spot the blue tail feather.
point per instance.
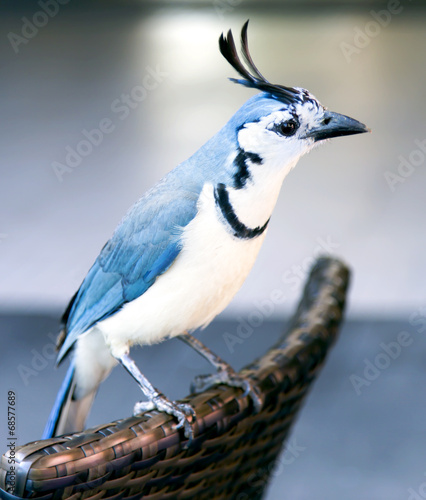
(61, 399)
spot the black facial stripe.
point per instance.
(241, 231)
(254, 158)
(242, 173)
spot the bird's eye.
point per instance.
(287, 128)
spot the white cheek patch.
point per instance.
(254, 138)
(257, 137)
(276, 151)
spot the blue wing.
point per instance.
(143, 246)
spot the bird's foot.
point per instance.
(180, 411)
(229, 377)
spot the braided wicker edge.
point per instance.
(83, 462)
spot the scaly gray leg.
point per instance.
(157, 400)
(225, 373)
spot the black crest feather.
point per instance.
(252, 77)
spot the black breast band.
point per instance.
(241, 231)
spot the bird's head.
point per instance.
(279, 125)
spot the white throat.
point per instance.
(255, 202)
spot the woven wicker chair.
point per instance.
(147, 457)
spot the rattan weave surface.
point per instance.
(233, 450)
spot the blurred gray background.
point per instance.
(360, 197)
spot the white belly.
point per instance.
(205, 276)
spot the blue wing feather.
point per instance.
(143, 246)
(147, 241)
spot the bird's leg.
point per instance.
(225, 373)
(157, 400)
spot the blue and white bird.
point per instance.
(185, 248)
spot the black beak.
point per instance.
(335, 125)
